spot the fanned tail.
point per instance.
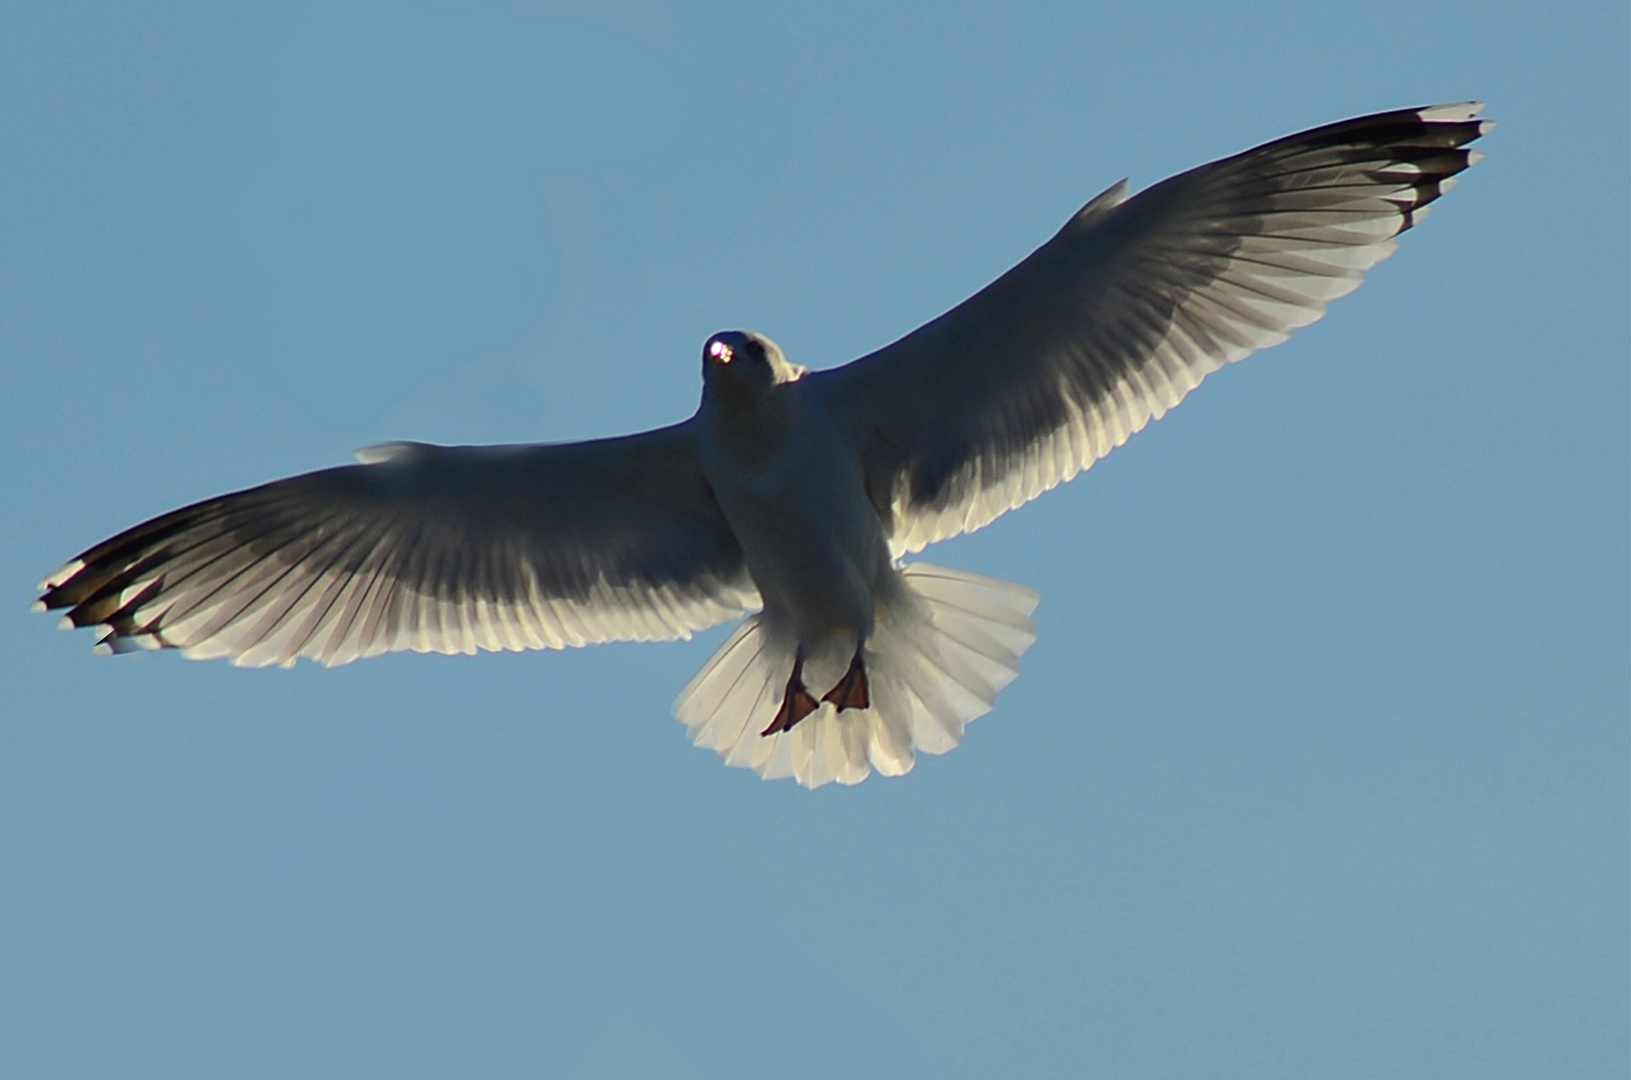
(940, 651)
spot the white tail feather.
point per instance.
(940, 651)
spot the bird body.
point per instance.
(874, 666)
(791, 499)
(791, 487)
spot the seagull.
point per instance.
(791, 498)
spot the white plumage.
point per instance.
(791, 497)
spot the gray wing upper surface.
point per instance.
(433, 549)
(1124, 311)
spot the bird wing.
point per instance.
(434, 549)
(1110, 323)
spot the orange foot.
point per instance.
(797, 702)
(851, 691)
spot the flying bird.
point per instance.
(791, 498)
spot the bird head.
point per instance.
(741, 367)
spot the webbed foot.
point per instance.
(852, 691)
(797, 702)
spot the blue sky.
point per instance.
(1319, 766)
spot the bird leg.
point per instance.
(797, 702)
(852, 691)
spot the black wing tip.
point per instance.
(1431, 129)
(1461, 112)
(1425, 128)
(1460, 123)
(60, 576)
(1430, 141)
(93, 596)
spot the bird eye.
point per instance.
(720, 351)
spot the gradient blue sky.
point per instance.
(1319, 767)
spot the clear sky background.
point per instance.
(1319, 767)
